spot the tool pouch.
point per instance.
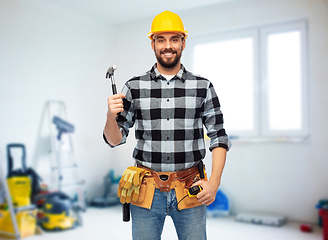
(181, 181)
(130, 184)
(146, 193)
(182, 186)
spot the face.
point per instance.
(168, 49)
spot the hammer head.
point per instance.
(110, 71)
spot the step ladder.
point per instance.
(14, 213)
(64, 166)
(4, 187)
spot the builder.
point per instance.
(168, 107)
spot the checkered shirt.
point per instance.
(169, 118)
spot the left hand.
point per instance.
(208, 194)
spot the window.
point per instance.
(260, 76)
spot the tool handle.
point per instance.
(114, 88)
(201, 169)
(10, 158)
(126, 212)
(125, 206)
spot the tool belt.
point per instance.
(181, 181)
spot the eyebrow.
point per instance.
(173, 37)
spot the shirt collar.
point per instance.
(155, 74)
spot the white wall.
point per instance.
(49, 53)
(276, 178)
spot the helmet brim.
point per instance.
(152, 34)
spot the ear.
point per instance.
(183, 44)
(153, 45)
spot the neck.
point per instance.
(169, 71)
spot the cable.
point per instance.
(182, 199)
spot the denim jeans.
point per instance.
(147, 224)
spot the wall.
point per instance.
(272, 178)
(48, 53)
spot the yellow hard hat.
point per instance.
(167, 22)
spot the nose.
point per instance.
(167, 44)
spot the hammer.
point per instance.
(110, 74)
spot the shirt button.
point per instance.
(168, 119)
(168, 100)
(168, 83)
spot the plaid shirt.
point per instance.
(169, 118)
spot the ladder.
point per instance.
(64, 165)
(4, 186)
(14, 213)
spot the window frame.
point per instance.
(259, 34)
(283, 28)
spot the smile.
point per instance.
(168, 54)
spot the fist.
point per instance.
(115, 104)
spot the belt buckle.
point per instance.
(164, 184)
(164, 177)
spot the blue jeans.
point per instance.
(147, 224)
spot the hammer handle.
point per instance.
(114, 88)
(201, 169)
(126, 212)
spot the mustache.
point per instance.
(169, 50)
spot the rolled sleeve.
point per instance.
(125, 119)
(213, 121)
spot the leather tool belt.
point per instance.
(181, 181)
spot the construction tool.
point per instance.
(62, 126)
(59, 212)
(16, 233)
(200, 167)
(24, 183)
(192, 192)
(110, 74)
(62, 151)
(17, 214)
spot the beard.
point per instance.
(169, 63)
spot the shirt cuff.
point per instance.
(122, 141)
(223, 142)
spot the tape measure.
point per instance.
(194, 191)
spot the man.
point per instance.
(169, 106)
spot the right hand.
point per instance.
(115, 104)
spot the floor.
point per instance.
(106, 223)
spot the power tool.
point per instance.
(58, 212)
